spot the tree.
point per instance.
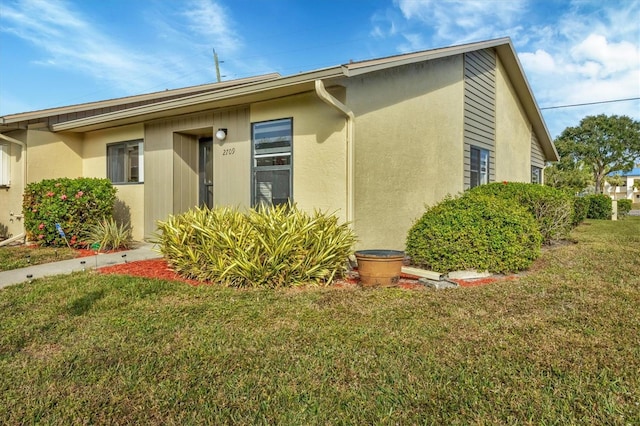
(566, 175)
(615, 181)
(603, 144)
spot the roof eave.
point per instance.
(364, 67)
(44, 113)
(187, 104)
(512, 65)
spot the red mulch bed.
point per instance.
(152, 268)
(158, 268)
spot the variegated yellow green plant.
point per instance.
(273, 247)
(110, 235)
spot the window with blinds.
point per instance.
(125, 162)
(272, 162)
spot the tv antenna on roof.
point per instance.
(215, 59)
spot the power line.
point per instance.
(591, 103)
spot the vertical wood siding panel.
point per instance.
(537, 156)
(479, 108)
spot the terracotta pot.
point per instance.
(378, 268)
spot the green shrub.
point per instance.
(551, 207)
(475, 231)
(600, 207)
(624, 207)
(109, 235)
(276, 247)
(580, 210)
(75, 204)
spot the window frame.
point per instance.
(275, 153)
(482, 152)
(127, 166)
(535, 170)
(5, 165)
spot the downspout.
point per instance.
(327, 98)
(24, 182)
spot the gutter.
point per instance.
(327, 98)
(24, 177)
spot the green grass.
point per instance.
(21, 256)
(560, 345)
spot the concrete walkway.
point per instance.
(143, 251)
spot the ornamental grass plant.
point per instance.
(271, 247)
(110, 235)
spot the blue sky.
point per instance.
(56, 53)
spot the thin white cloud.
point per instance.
(211, 22)
(463, 20)
(70, 40)
(577, 52)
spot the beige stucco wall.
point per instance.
(513, 133)
(50, 155)
(11, 197)
(232, 159)
(171, 178)
(319, 150)
(53, 155)
(130, 197)
(408, 149)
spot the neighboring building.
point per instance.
(630, 189)
(373, 141)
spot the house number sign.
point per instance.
(228, 151)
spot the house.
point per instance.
(630, 188)
(373, 141)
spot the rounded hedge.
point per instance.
(74, 204)
(624, 207)
(475, 231)
(580, 210)
(551, 207)
(600, 207)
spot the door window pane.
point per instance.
(205, 172)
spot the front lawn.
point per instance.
(560, 345)
(22, 256)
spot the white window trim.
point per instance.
(483, 176)
(5, 165)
